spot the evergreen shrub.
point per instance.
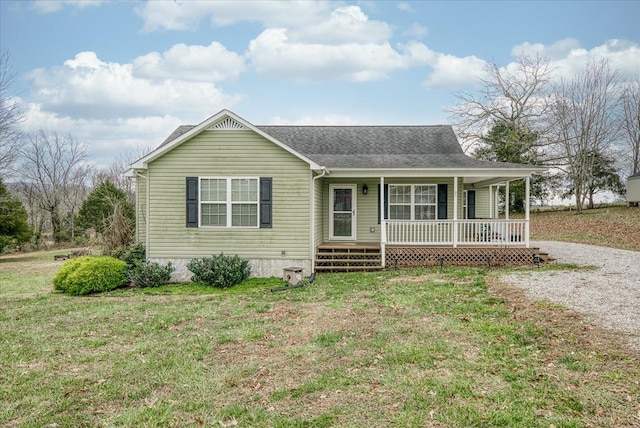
(90, 274)
(219, 271)
(149, 274)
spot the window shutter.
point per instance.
(471, 204)
(192, 201)
(386, 202)
(266, 202)
(442, 201)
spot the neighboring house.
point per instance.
(310, 196)
(633, 190)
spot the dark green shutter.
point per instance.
(192, 201)
(386, 202)
(442, 201)
(471, 204)
(266, 202)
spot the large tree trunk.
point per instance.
(56, 226)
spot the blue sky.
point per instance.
(120, 76)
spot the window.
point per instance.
(412, 202)
(229, 202)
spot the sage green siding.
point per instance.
(141, 209)
(482, 202)
(223, 153)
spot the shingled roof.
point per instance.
(373, 147)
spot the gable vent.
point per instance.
(228, 124)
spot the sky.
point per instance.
(119, 76)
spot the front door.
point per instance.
(342, 215)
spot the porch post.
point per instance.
(491, 201)
(455, 211)
(383, 226)
(506, 201)
(527, 185)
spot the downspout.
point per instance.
(527, 210)
(312, 229)
(383, 226)
(146, 221)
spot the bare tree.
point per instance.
(630, 121)
(584, 114)
(10, 117)
(115, 171)
(515, 97)
(53, 164)
(75, 192)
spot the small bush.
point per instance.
(133, 254)
(150, 274)
(90, 274)
(219, 270)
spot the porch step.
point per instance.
(347, 268)
(345, 257)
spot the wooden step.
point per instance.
(350, 261)
(347, 268)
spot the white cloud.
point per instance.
(104, 105)
(273, 54)
(567, 57)
(90, 87)
(211, 63)
(50, 6)
(416, 30)
(450, 71)
(104, 139)
(345, 25)
(186, 15)
(405, 7)
(557, 50)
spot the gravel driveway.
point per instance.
(609, 295)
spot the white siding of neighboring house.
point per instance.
(633, 189)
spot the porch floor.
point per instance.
(367, 256)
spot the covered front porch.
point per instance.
(457, 221)
(488, 232)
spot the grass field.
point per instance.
(617, 227)
(423, 348)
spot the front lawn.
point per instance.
(409, 348)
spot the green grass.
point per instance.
(410, 348)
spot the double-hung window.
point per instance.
(229, 202)
(412, 201)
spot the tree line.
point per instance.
(55, 194)
(585, 128)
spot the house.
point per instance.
(633, 190)
(324, 198)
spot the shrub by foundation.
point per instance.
(149, 274)
(219, 271)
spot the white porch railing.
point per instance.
(456, 232)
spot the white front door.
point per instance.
(342, 212)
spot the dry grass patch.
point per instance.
(616, 227)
